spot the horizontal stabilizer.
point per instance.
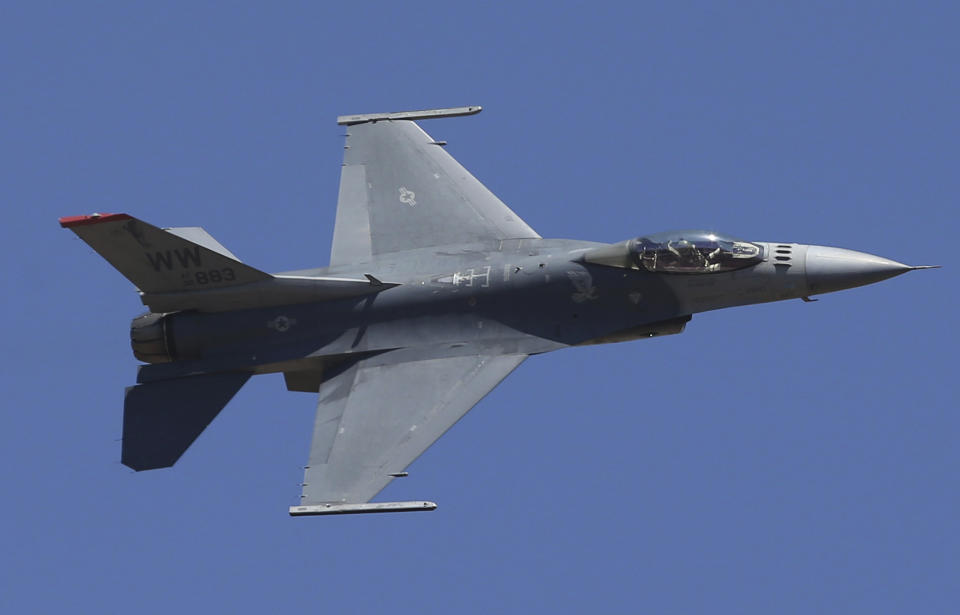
(162, 419)
(162, 261)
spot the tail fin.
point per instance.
(162, 261)
(162, 419)
(187, 269)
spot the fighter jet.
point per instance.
(435, 292)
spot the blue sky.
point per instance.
(788, 458)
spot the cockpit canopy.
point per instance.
(692, 252)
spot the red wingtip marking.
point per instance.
(71, 221)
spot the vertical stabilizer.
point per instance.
(160, 261)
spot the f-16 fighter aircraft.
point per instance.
(435, 292)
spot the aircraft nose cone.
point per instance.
(832, 269)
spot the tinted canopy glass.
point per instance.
(693, 252)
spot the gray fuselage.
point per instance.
(511, 296)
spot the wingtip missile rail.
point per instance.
(370, 507)
(427, 114)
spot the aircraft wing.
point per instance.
(399, 190)
(374, 419)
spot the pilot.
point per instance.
(688, 256)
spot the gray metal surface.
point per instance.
(159, 261)
(408, 115)
(275, 290)
(375, 507)
(200, 236)
(399, 190)
(162, 419)
(435, 292)
(373, 420)
(831, 269)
